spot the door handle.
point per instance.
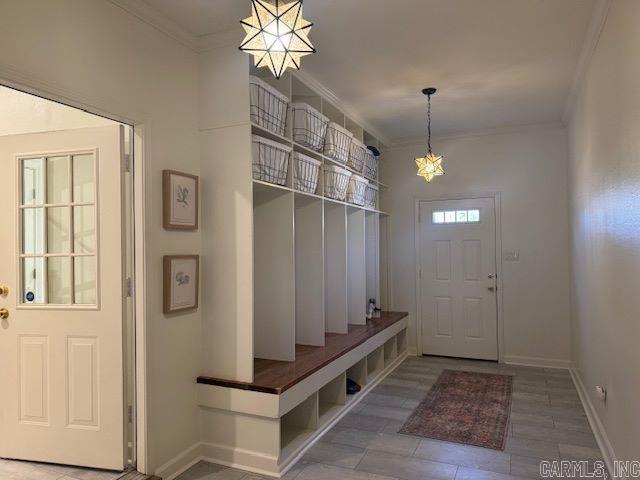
(4, 290)
(4, 313)
(492, 289)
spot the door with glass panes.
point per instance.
(458, 278)
(61, 263)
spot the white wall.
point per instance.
(23, 113)
(528, 168)
(604, 174)
(94, 53)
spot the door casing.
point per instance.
(416, 261)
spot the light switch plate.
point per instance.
(511, 255)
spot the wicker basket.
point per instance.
(370, 165)
(357, 155)
(336, 182)
(356, 189)
(270, 160)
(337, 142)
(371, 196)
(309, 126)
(305, 172)
(268, 107)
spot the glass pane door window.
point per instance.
(58, 232)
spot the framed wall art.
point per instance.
(180, 192)
(181, 283)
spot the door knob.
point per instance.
(4, 290)
(4, 313)
(491, 276)
(491, 289)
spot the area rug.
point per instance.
(464, 407)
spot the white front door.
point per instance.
(458, 278)
(61, 258)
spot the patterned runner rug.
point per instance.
(464, 407)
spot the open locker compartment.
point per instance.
(331, 399)
(309, 271)
(274, 302)
(335, 268)
(356, 266)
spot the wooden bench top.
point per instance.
(272, 376)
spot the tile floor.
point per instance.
(15, 470)
(547, 422)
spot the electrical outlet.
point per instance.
(511, 255)
(601, 392)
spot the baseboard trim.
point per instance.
(537, 362)
(608, 454)
(412, 351)
(180, 463)
(258, 463)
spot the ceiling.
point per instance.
(496, 63)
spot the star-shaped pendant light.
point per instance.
(277, 35)
(429, 166)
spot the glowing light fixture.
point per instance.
(429, 166)
(277, 35)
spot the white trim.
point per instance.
(220, 39)
(537, 362)
(496, 196)
(420, 140)
(33, 84)
(159, 21)
(139, 288)
(594, 32)
(181, 462)
(257, 462)
(608, 454)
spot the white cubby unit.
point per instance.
(288, 272)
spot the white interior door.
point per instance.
(61, 257)
(458, 278)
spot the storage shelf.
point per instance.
(320, 197)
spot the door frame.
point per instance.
(495, 196)
(139, 121)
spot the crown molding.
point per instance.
(592, 37)
(151, 16)
(346, 107)
(420, 140)
(220, 39)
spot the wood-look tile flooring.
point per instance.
(17, 470)
(547, 423)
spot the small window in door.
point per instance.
(456, 216)
(58, 239)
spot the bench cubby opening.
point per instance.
(375, 363)
(390, 351)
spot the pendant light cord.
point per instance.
(429, 123)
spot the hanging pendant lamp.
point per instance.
(429, 166)
(277, 35)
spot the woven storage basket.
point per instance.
(337, 142)
(309, 126)
(270, 160)
(357, 155)
(268, 106)
(371, 196)
(370, 165)
(336, 182)
(305, 172)
(356, 189)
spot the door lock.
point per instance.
(4, 290)
(4, 313)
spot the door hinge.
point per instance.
(126, 163)
(128, 287)
(130, 413)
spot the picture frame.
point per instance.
(181, 283)
(180, 200)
